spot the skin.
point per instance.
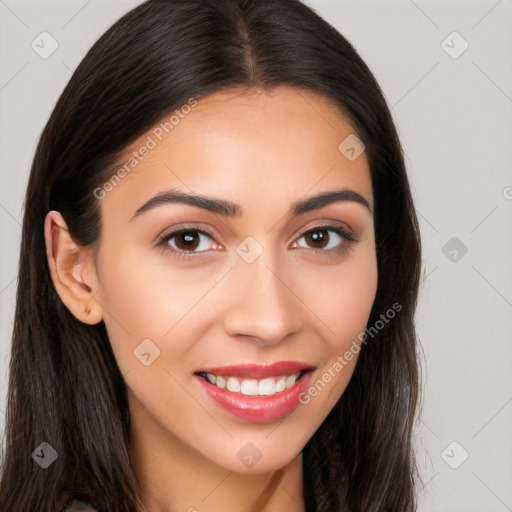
(264, 151)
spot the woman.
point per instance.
(219, 271)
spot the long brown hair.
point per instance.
(65, 387)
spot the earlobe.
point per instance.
(69, 263)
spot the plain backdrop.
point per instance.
(445, 69)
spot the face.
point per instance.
(229, 321)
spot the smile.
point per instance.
(255, 392)
(253, 387)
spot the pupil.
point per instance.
(318, 236)
(188, 239)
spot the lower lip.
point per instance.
(258, 409)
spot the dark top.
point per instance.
(77, 505)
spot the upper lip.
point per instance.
(258, 371)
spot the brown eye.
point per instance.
(319, 238)
(331, 241)
(187, 241)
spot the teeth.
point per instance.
(249, 387)
(290, 381)
(280, 385)
(253, 387)
(233, 384)
(267, 387)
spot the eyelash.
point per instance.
(346, 235)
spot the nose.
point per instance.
(262, 305)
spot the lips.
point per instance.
(259, 371)
(256, 392)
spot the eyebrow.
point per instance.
(230, 209)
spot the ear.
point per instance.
(72, 270)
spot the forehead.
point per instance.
(245, 144)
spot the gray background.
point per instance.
(454, 114)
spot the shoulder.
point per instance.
(77, 505)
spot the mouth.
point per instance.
(256, 392)
(268, 386)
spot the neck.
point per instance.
(176, 478)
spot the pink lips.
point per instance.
(258, 409)
(259, 371)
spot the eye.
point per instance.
(337, 243)
(186, 240)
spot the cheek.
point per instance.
(350, 310)
(344, 308)
(342, 297)
(144, 301)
